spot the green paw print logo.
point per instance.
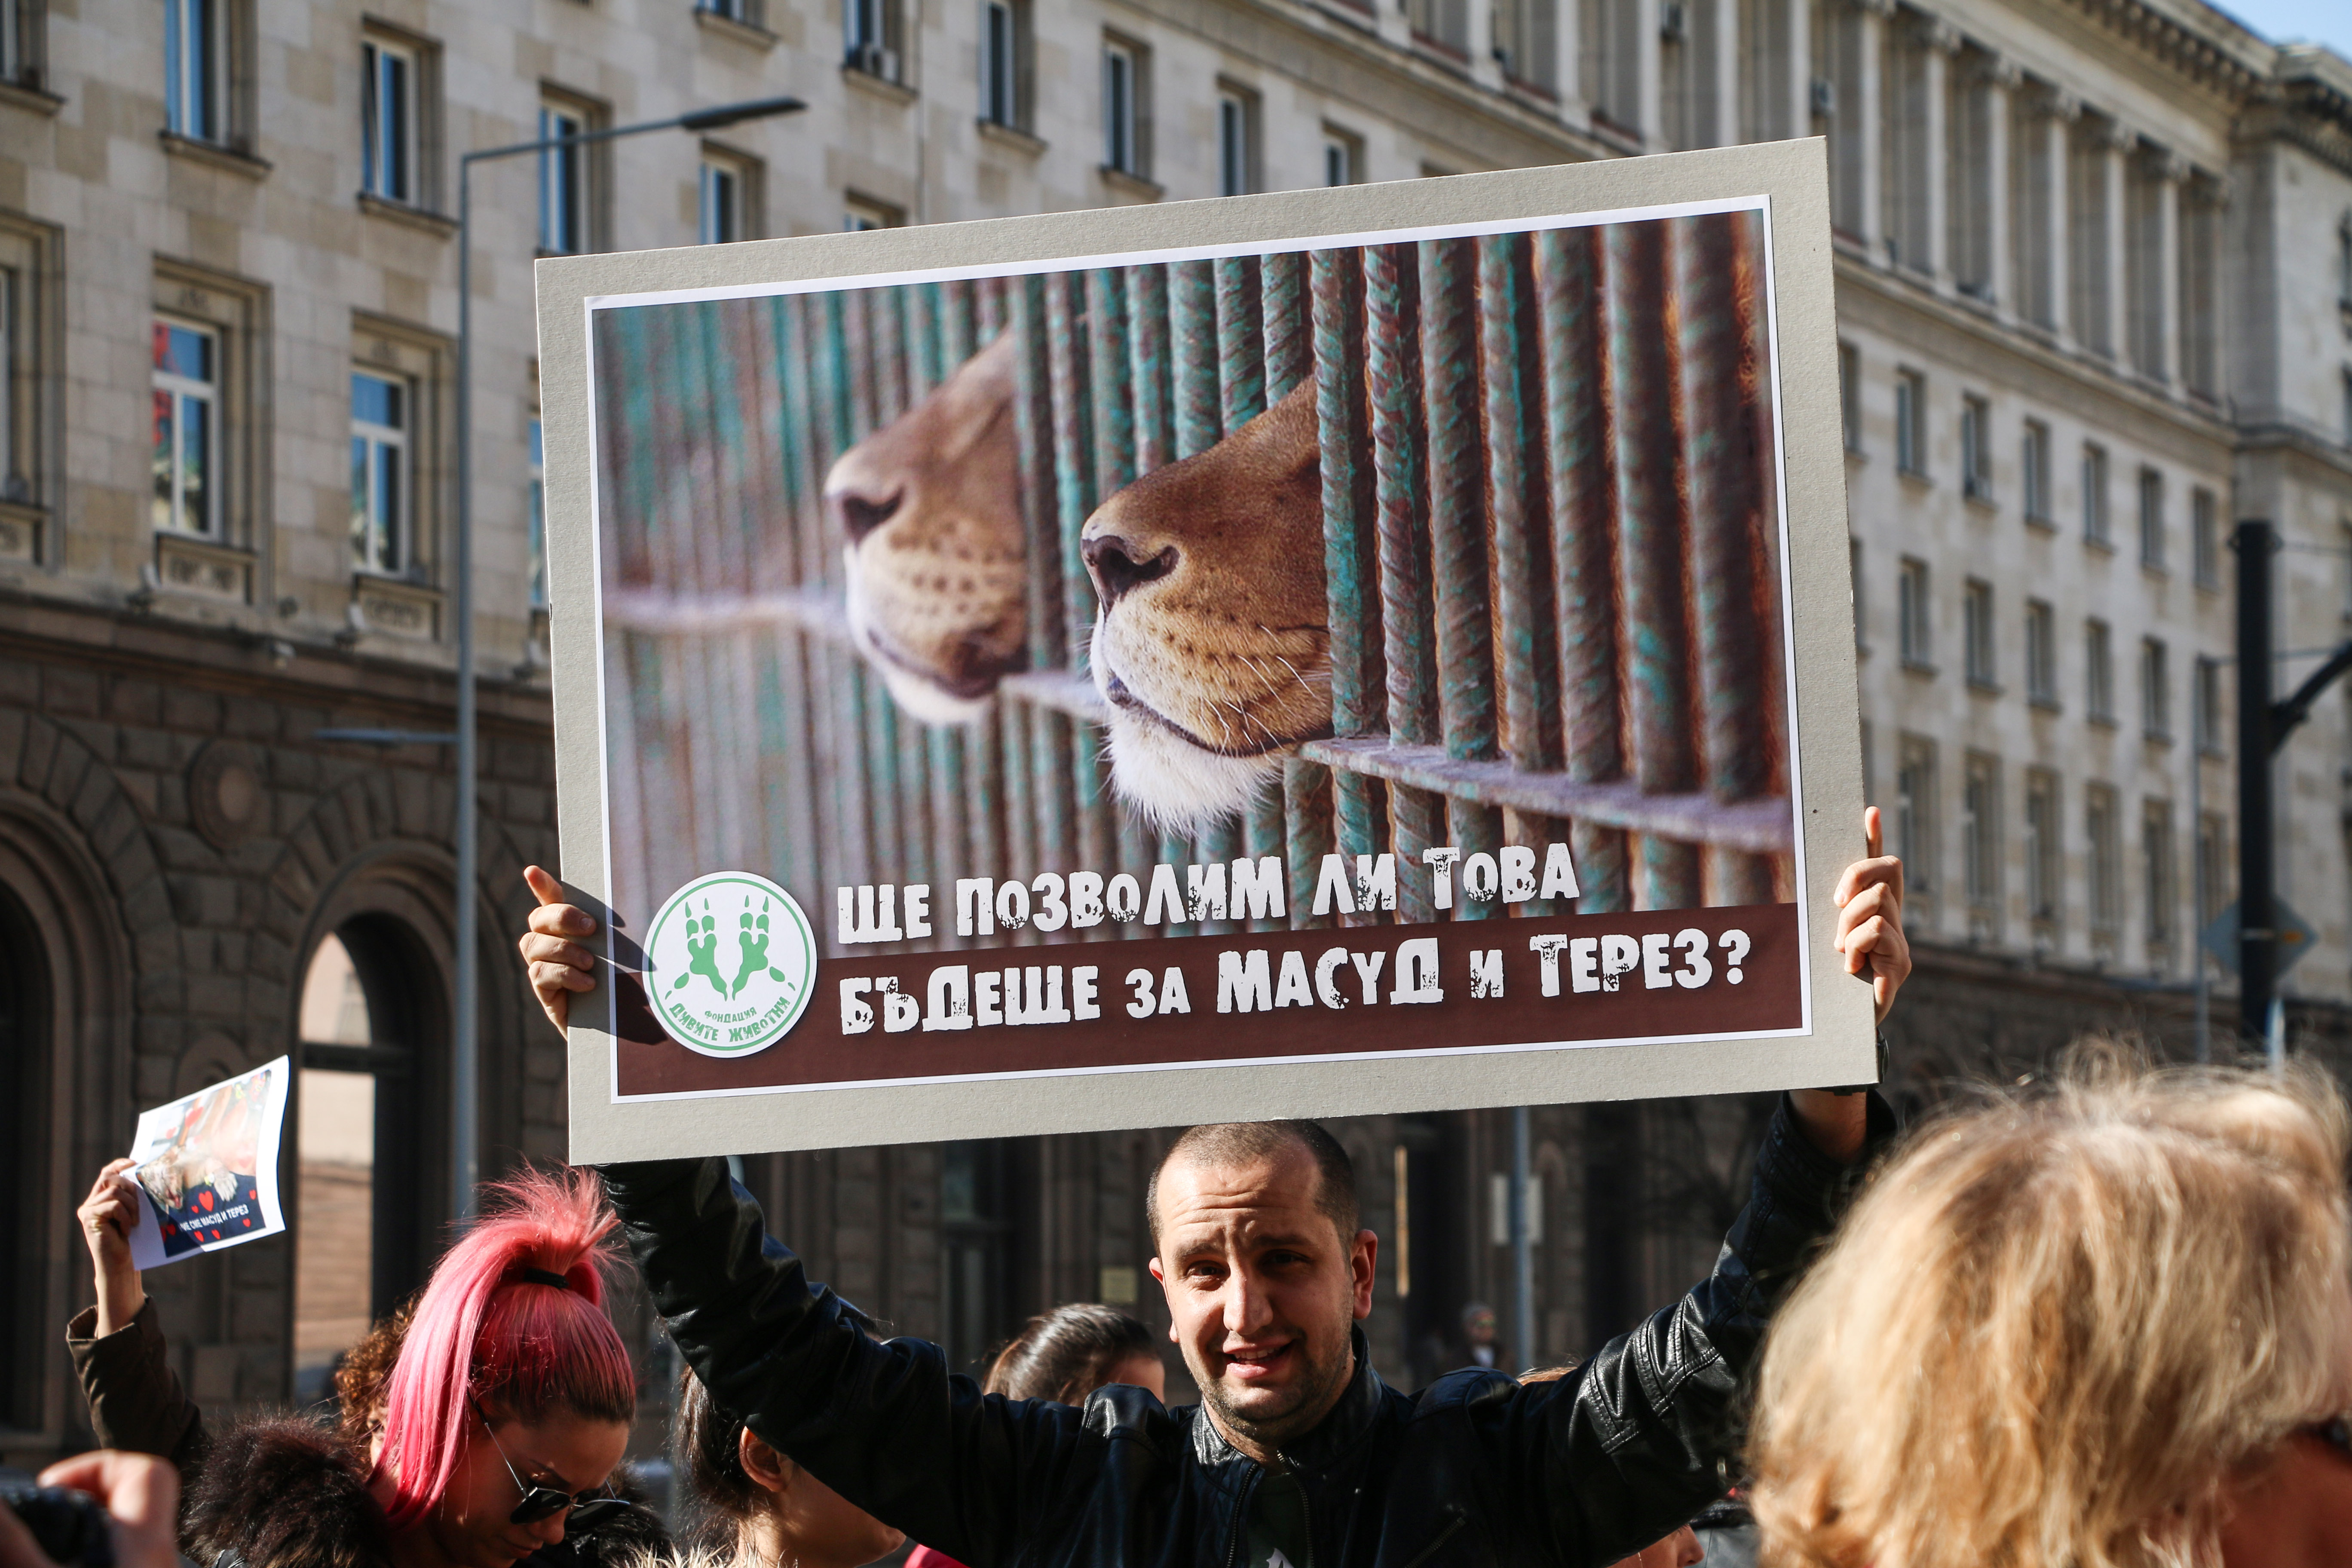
(733, 963)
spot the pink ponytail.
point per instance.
(484, 1330)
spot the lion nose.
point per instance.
(860, 515)
(1118, 567)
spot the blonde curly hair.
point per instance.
(2057, 1324)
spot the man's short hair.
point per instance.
(1240, 1142)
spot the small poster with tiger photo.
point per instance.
(208, 1167)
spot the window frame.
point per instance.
(1911, 424)
(863, 214)
(1349, 148)
(1914, 812)
(1978, 627)
(2033, 472)
(2098, 670)
(1980, 833)
(372, 441)
(567, 173)
(2156, 689)
(375, 53)
(1976, 449)
(1005, 65)
(1124, 119)
(720, 167)
(535, 470)
(2044, 826)
(1237, 140)
(2103, 861)
(2159, 874)
(2150, 492)
(1915, 611)
(211, 392)
(870, 39)
(2041, 654)
(2205, 706)
(2097, 522)
(2205, 538)
(201, 71)
(1850, 396)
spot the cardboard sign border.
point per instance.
(1792, 177)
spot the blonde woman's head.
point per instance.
(2058, 1329)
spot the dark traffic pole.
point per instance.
(2255, 543)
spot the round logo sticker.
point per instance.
(733, 963)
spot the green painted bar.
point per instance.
(1192, 342)
(1391, 375)
(1306, 811)
(1289, 322)
(1350, 566)
(1152, 367)
(1074, 480)
(1034, 423)
(1457, 482)
(1241, 342)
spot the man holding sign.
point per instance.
(1299, 1455)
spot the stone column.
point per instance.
(1867, 133)
(1646, 45)
(1568, 60)
(1478, 38)
(1997, 81)
(1942, 41)
(2055, 130)
(2114, 146)
(1723, 115)
(1794, 78)
(2172, 171)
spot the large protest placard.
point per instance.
(1342, 652)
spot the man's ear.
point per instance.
(1362, 1264)
(1161, 1273)
(769, 1471)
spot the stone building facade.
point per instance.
(2094, 261)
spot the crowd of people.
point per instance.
(2099, 1321)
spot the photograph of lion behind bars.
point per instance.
(1458, 540)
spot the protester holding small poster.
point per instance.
(208, 1165)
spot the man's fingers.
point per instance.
(562, 919)
(543, 885)
(546, 977)
(1872, 835)
(539, 948)
(1884, 870)
(141, 1492)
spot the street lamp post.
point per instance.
(465, 1107)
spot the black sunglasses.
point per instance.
(589, 1509)
(2336, 1432)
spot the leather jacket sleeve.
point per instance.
(136, 1403)
(880, 1422)
(1647, 1433)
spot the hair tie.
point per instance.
(545, 1276)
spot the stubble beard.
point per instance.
(1310, 1400)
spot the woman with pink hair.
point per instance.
(506, 1410)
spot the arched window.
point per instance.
(26, 1028)
(364, 1001)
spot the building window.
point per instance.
(1236, 141)
(870, 36)
(1343, 157)
(381, 418)
(1124, 82)
(1850, 395)
(2102, 840)
(2155, 690)
(1977, 615)
(2157, 871)
(2094, 495)
(723, 199)
(2041, 653)
(2044, 848)
(2033, 470)
(976, 1244)
(191, 69)
(2151, 519)
(187, 438)
(1915, 811)
(1975, 448)
(1911, 423)
(360, 1141)
(538, 493)
(2205, 538)
(2212, 869)
(861, 214)
(16, 484)
(2347, 434)
(733, 10)
(2205, 717)
(1912, 607)
(1980, 841)
(562, 182)
(388, 120)
(2344, 261)
(16, 48)
(2098, 672)
(1004, 63)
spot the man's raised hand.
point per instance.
(1869, 917)
(551, 951)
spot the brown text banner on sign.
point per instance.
(1579, 979)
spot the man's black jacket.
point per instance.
(1477, 1470)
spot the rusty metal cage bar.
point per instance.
(1548, 570)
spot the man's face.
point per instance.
(1481, 1328)
(1262, 1291)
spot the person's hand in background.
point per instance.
(139, 1493)
(108, 1216)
